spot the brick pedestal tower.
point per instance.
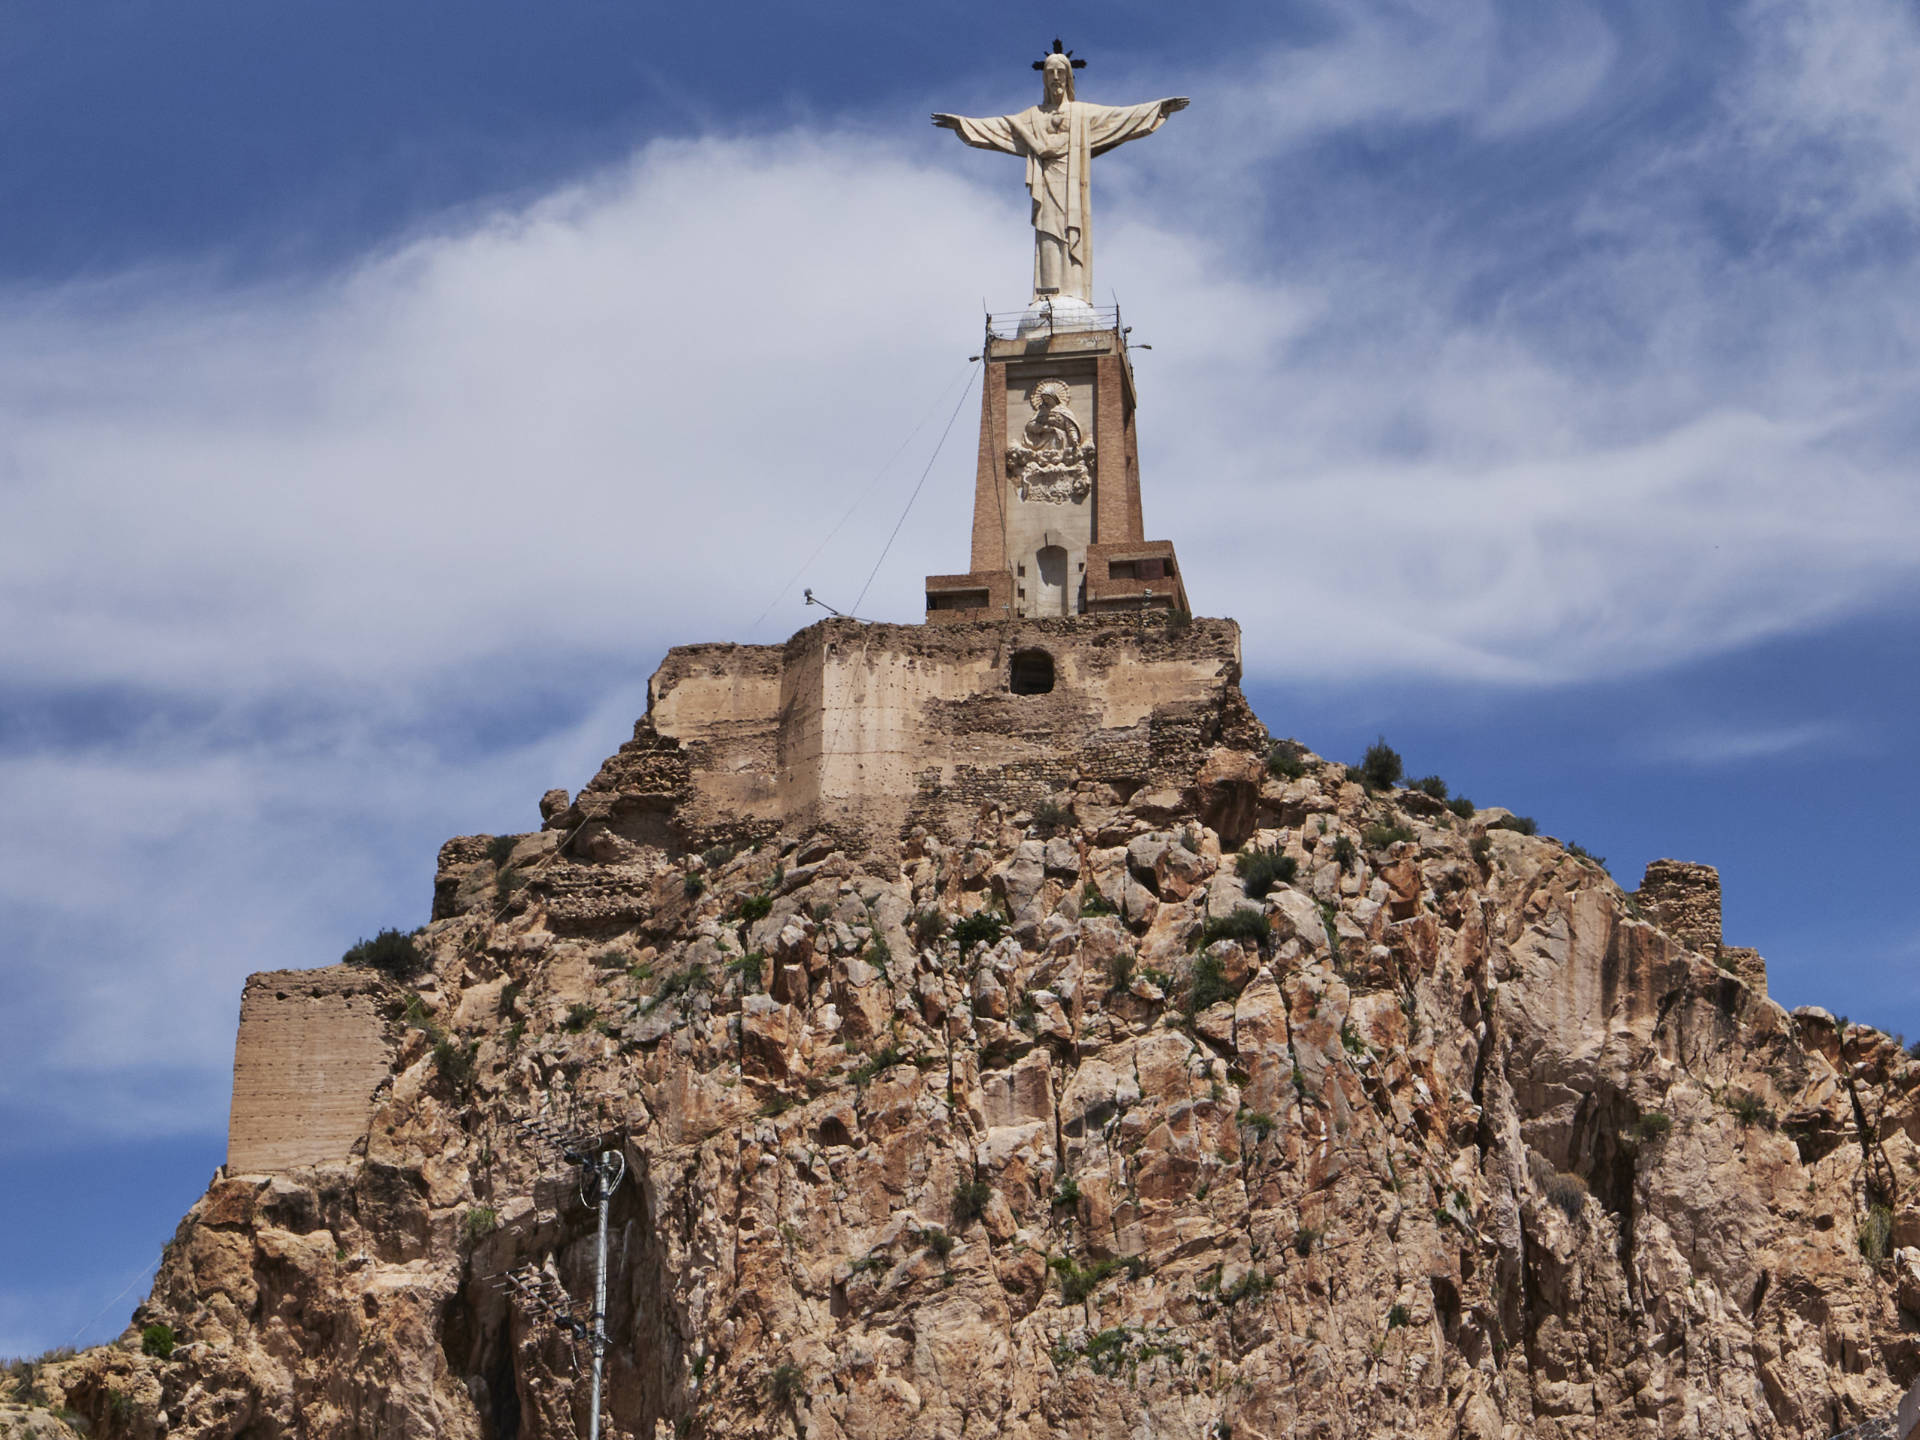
(1056, 505)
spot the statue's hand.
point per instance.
(1178, 102)
(947, 122)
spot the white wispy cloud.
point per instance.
(1736, 745)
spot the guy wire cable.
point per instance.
(859, 500)
(940, 445)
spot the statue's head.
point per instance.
(1057, 75)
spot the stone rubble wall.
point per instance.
(1683, 898)
(854, 727)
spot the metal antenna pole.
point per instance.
(606, 1172)
(600, 1175)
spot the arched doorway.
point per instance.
(1050, 596)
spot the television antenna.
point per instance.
(813, 599)
(602, 1166)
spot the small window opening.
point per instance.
(1032, 673)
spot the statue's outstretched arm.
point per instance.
(1109, 126)
(995, 133)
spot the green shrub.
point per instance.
(157, 1340)
(1106, 1351)
(1379, 835)
(416, 1015)
(510, 996)
(681, 982)
(1261, 870)
(1250, 1286)
(751, 968)
(878, 1063)
(1120, 970)
(500, 850)
(717, 855)
(1287, 759)
(1051, 814)
(1257, 1121)
(1398, 1316)
(1429, 785)
(696, 886)
(1067, 1192)
(506, 884)
(1750, 1109)
(1876, 1233)
(1652, 1126)
(879, 955)
(1077, 1283)
(390, 952)
(928, 926)
(457, 1063)
(983, 927)
(1520, 824)
(1481, 849)
(1580, 852)
(786, 1384)
(1380, 767)
(1207, 983)
(1330, 924)
(481, 1221)
(1344, 852)
(970, 1201)
(1092, 902)
(940, 1242)
(580, 1016)
(1462, 807)
(1304, 1239)
(756, 907)
(1240, 923)
(1568, 1194)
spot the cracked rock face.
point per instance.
(1029, 1131)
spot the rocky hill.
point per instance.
(1232, 1099)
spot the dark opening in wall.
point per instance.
(1032, 673)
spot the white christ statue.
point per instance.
(1059, 137)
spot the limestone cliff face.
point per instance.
(1461, 1146)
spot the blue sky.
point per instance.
(1535, 383)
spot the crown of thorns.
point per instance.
(1059, 49)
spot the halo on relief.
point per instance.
(1060, 392)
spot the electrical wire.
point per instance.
(941, 444)
(144, 1271)
(861, 498)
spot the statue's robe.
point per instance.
(1059, 146)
